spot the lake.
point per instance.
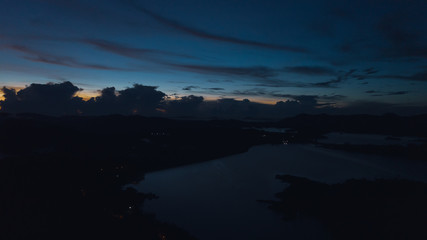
(217, 199)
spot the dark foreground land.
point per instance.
(63, 177)
(358, 209)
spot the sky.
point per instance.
(341, 52)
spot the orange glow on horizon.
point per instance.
(16, 89)
(87, 95)
(161, 110)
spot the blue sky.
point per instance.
(265, 51)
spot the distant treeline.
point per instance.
(388, 124)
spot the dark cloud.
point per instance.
(60, 99)
(307, 100)
(185, 106)
(370, 70)
(189, 88)
(139, 99)
(397, 93)
(310, 103)
(44, 57)
(231, 108)
(404, 39)
(254, 71)
(200, 90)
(56, 99)
(310, 70)
(133, 52)
(420, 76)
(328, 84)
(299, 98)
(371, 91)
(276, 94)
(263, 76)
(381, 93)
(343, 76)
(366, 74)
(206, 35)
(215, 89)
(303, 100)
(300, 104)
(277, 83)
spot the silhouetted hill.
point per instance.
(389, 124)
(358, 209)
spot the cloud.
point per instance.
(375, 93)
(371, 91)
(419, 76)
(370, 70)
(189, 88)
(300, 104)
(350, 74)
(299, 98)
(405, 41)
(278, 83)
(310, 100)
(215, 89)
(138, 99)
(328, 84)
(210, 36)
(50, 98)
(310, 70)
(232, 108)
(60, 99)
(133, 52)
(185, 106)
(340, 76)
(253, 71)
(264, 76)
(261, 76)
(43, 57)
(200, 90)
(397, 93)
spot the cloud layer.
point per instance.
(210, 36)
(60, 99)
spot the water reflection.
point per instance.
(218, 198)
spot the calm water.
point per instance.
(217, 199)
